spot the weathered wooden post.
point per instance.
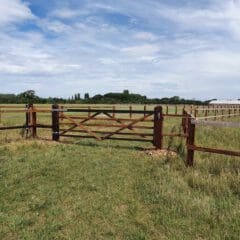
(61, 114)
(184, 120)
(89, 111)
(206, 114)
(158, 127)
(27, 119)
(190, 142)
(34, 121)
(31, 120)
(195, 113)
(130, 111)
(113, 111)
(55, 122)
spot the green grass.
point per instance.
(88, 189)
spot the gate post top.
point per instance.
(158, 112)
(29, 105)
(54, 105)
(158, 108)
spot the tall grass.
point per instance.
(88, 189)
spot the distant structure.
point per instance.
(225, 102)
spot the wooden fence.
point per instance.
(123, 124)
(190, 123)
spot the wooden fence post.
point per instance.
(195, 113)
(27, 119)
(184, 120)
(113, 111)
(158, 128)
(61, 114)
(130, 111)
(190, 142)
(145, 109)
(31, 120)
(55, 122)
(89, 113)
(34, 121)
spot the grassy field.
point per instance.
(86, 189)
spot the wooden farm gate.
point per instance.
(102, 124)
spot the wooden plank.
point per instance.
(126, 126)
(212, 150)
(14, 127)
(174, 135)
(123, 123)
(107, 119)
(75, 126)
(216, 123)
(109, 111)
(109, 125)
(110, 138)
(80, 125)
(107, 132)
(43, 126)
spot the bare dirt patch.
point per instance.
(160, 153)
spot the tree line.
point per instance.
(125, 97)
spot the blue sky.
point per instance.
(158, 48)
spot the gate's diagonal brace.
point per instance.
(80, 125)
(130, 128)
(127, 126)
(83, 121)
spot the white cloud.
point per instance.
(67, 13)
(187, 55)
(144, 50)
(54, 26)
(223, 15)
(13, 11)
(147, 36)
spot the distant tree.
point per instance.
(28, 96)
(86, 96)
(126, 92)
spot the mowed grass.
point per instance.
(86, 189)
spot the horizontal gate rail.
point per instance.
(107, 132)
(109, 111)
(107, 119)
(108, 125)
(110, 138)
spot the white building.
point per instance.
(225, 102)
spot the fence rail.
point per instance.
(115, 121)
